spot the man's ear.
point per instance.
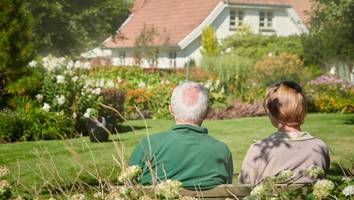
(170, 109)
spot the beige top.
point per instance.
(293, 151)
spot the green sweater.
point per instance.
(185, 153)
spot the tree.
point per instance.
(331, 39)
(16, 47)
(209, 42)
(149, 44)
(69, 27)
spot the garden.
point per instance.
(69, 124)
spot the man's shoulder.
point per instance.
(218, 144)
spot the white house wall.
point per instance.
(285, 23)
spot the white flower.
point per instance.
(314, 172)
(3, 171)
(75, 78)
(77, 65)
(70, 65)
(96, 91)
(217, 83)
(60, 99)
(258, 192)
(169, 189)
(348, 191)
(285, 176)
(60, 79)
(46, 107)
(208, 84)
(88, 113)
(322, 188)
(52, 198)
(110, 84)
(32, 64)
(129, 173)
(74, 115)
(142, 84)
(69, 72)
(78, 197)
(87, 65)
(100, 83)
(4, 185)
(39, 97)
(98, 195)
(61, 113)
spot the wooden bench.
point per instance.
(230, 191)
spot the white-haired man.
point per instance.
(185, 152)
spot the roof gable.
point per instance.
(175, 19)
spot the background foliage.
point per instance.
(70, 27)
(16, 46)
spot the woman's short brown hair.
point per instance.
(286, 103)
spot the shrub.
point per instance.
(234, 72)
(30, 124)
(330, 94)
(11, 127)
(273, 69)
(256, 46)
(209, 42)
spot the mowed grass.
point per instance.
(34, 162)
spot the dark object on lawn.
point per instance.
(96, 131)
(113, 98)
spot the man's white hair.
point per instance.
(189, 102)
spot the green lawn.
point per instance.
(70, 156)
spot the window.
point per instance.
(236, 19)
(122, 57)
(265, 20)
(172, 56)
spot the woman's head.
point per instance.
(285, 103)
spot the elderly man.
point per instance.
(185, 152)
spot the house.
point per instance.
(178, 25)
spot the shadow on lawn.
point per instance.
(349, 121)
(124, 129)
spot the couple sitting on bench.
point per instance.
(188, 154)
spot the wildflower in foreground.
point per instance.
(129, 173)
(98, 195)
(258, 192)
(285, 176)
(348, 191)
(4, 186)
(3, 171)
(168, 189)
(119, 193)
(314, 172)
(78, 197)
(322, 188)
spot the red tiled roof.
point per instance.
(175, 19)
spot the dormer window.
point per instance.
(266, 20)
(236, 19)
